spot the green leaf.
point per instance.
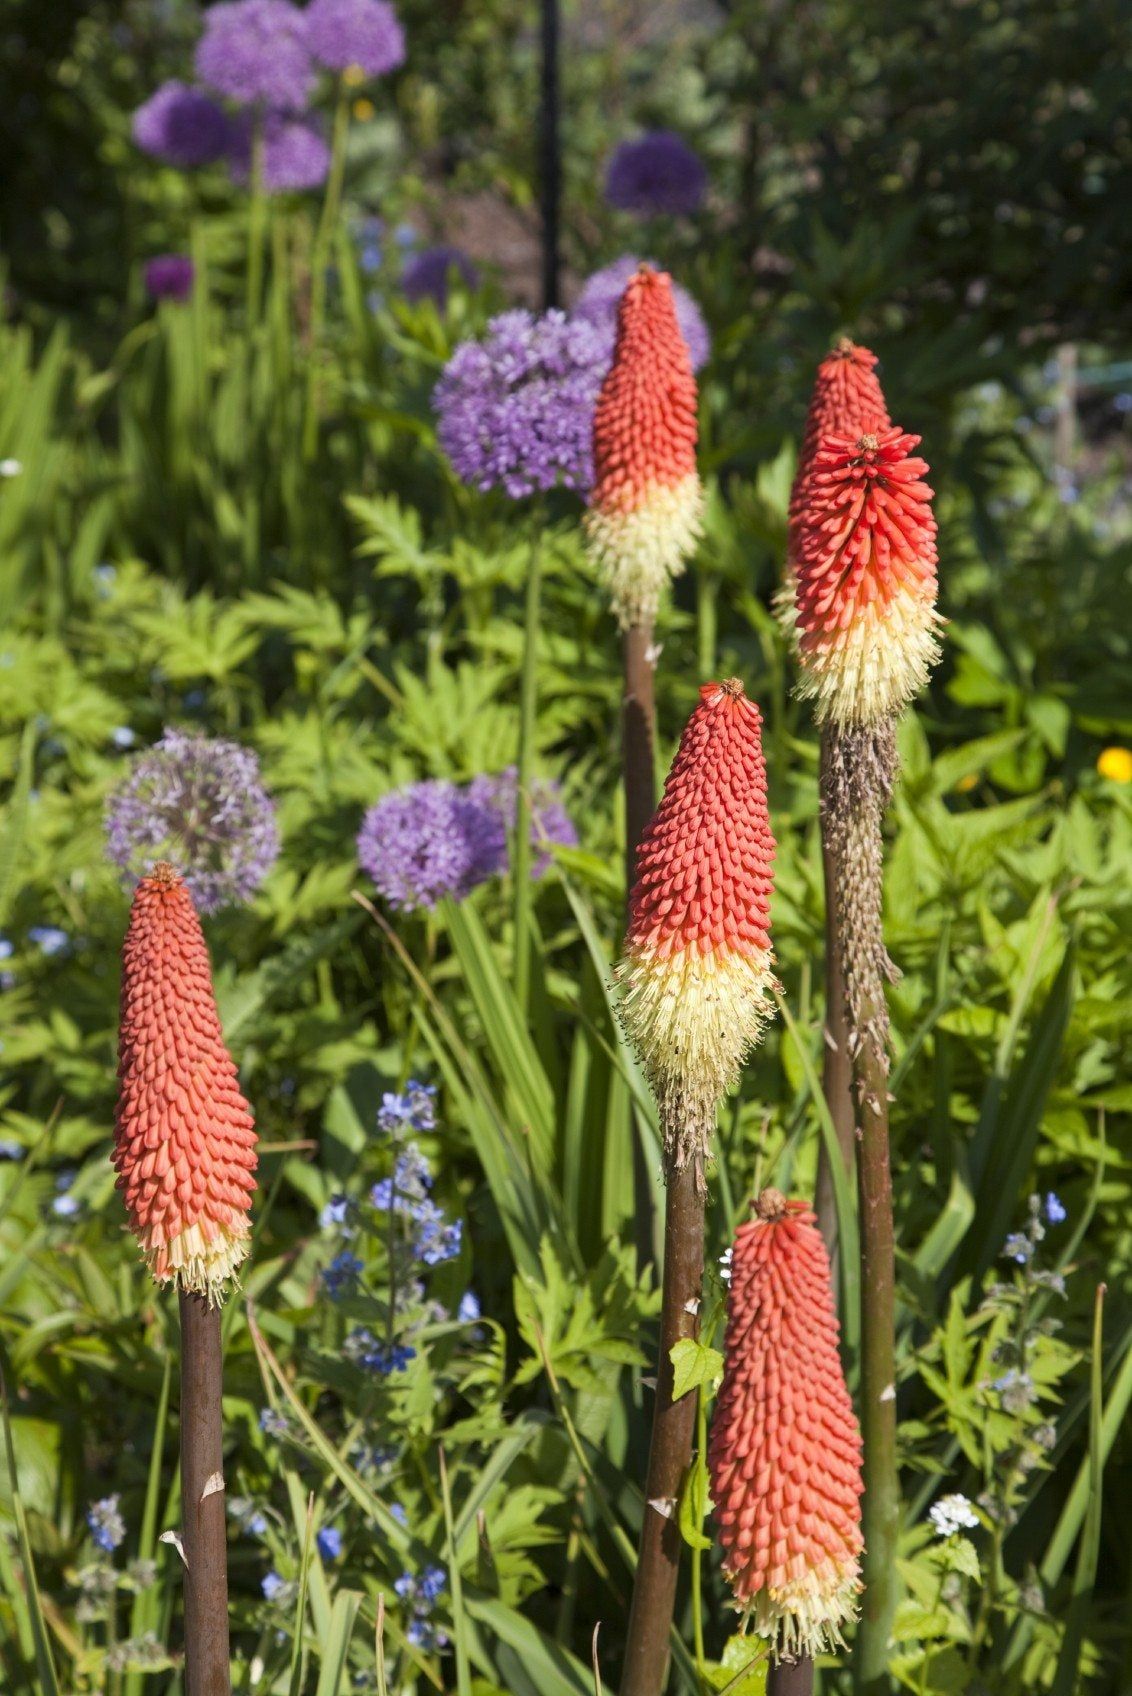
(693, 1364)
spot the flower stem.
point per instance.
(257, 207)
(320, 259)
(203, 1527)
(528, 708)
(638, 765)
(791, 1678)
(837, 1069)
(670, 1452)
(697, 1552)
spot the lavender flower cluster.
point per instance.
(437, 839)
(601, 296)
(264, 58)
(199, 803)
(515, 410)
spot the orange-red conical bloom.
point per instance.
(646, 505)
(184, 1148)
(785, 1450)
(847, 400)
(866, 578)
(697, 960)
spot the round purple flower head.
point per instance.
(516, 409)
(348, 34)
(550, 822)
(169, 276)
(658, 173)
(295, 154)
(426, 275)
(181, 125)
(200, 803)
(601, 296)
(255, 52)
(427, 841)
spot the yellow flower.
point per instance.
(364, 109)
(353, 76)
(967, 783)
(1116, 765)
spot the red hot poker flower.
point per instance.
(646, 506)
(697, 960)
(184, 1146)
(866, 578)
(847, 400)
(785, 1450)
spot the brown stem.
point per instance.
(791, 1678)
(670, 1452)
(837, 1067)
(857, 782)
(880, 1516)
(203, 1528)
(638, 735)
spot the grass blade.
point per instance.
(44, 1661)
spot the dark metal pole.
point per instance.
(550, 161)
(203, 1526)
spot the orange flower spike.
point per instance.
(184, 1146)
(866, 616)
(785, 1449)
(646, 505)
(847, 400)
(697, 963)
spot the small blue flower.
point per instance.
(400, 1513)
(122, 736)
(433, 1581)
(107, 1527)
(6, 949)
(11, 1150)
(1055, 1210)
(49, 939)
(272, 1586)
(336, 1212)
(341, 1276)
(272, 1423)
(329, 1541)
(363, 1348)
(437, 1241)
(469, 1308)
(1018, 1247)
(257, 1525)
(65, 1206)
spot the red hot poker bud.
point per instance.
(697, 960)
(866, 578)
(184, 1146)
(785, 1450)
(847, 400)
(646, 505)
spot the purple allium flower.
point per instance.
(550, 822)
(107, 1527)
(658, 173)
(429, 840)
(367, 34)
(426, 276)
(516, 409)
(295, 153)
(601, 296)
(169, 276)
(201, 804)
(255, 52)
(181, 125)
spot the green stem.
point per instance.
(706, 622)
(697, 1552)
(528, 708)
(257, 208)
(332, 200)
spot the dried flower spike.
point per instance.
(697, 962)
(866, 578)
(785, 1450)
(184, 1146)
(646, 507)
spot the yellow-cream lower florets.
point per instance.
(638, 549)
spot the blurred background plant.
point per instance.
(451, 1274)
